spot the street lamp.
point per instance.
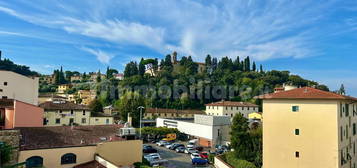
(141, 113)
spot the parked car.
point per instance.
(168, 145)
(199, 148)
(204, 155)
(161, 143)
(190, 150)
(147, 157)
(149, 149)
(180, 149)
(195, 155)
(174, 146)
(199, 161)
(156, 160)
(191, 145)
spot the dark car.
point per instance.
(199, 161)
(180, 149)
(174, 146)
(149, 149)
(199, 148)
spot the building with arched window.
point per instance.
(34, 161)
(68, 158)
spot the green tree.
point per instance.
(131, 69)
(254, 68)
(5, 153)
(342, 90)
(99, 77)
(142, 67)
(95, 106)
(129, 103)
(240, 139)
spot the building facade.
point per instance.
(59, 113)
(63, 88)
(86, 96)
(18, 87)
(153, 113)
(309, 128)
(68, 147)
(231, 108)
(210, 130)
(14, 114)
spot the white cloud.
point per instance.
(103, 57)
(263, 30)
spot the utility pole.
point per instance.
(141, 113)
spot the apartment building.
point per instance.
(18, 87)
(87, 96)
(14, 114)
(76, 78)
(209, 130)
(153, 113)
(231, 108)
(63, 88)
(58, 113)
(79, 147)
(309, 128)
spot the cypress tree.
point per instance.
(254, 66)
(141, 67)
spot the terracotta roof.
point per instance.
(91, 164)
(306, 93)
(66, 136)
(65, 105)
(232, 103)
(162, 110)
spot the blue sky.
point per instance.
(315, 39)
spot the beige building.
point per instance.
(153, 113)
(76, 78)
(87, 96)
(80, 147)
(58, 113)
(18, 87)
(45, 97)
(48, 79)
(63, 88)
(309, 128)
(231, 108)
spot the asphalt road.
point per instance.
(176, 160)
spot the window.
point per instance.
(1, 90)
(4, 97)
(231, 108)
(341, 111)
(226, 108)
(71, 121)
(341, 133)
(58, 120)
(96, 119)
(84, 112)
(297, 132)
(60, 111)
(354, 128)
(72, 112)
(297, 154)
(68, 158)
(107, 121)
(5, 83)
(231, 115)
(347, 110)
(34, 161)
(295, 108)
(248, 108)
(226, 114)
(346, 131)
(84, 120)
(45, 121)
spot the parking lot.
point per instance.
(176, 160)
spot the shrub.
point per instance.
(231, 159)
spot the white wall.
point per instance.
(19, 87)
(230, 111)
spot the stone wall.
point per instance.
(11, 137)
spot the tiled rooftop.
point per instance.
(66, 136)
(53, 105)
(162, 110)
(232, 103)
(306, 93)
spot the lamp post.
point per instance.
(141, 113)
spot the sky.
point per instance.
(314, 39)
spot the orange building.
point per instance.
(14, 113)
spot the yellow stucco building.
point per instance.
(78, 147)
(309, 128)
(58, 113)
